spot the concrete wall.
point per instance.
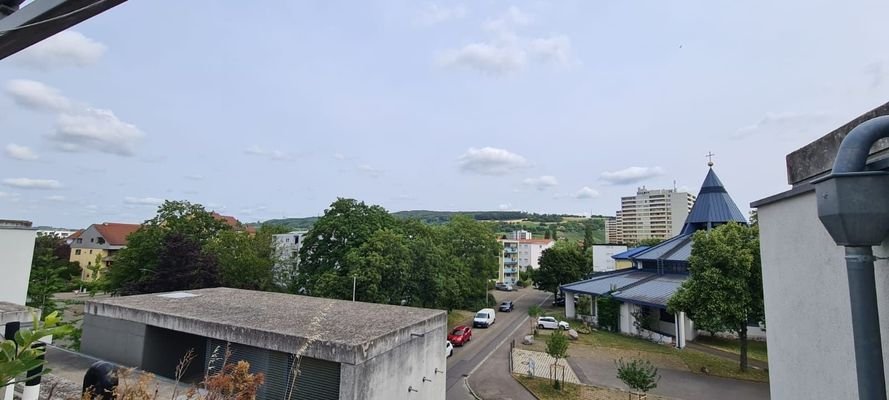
(388, 375)
(17, 246)
(114, 340)
(164, 349)
(602, 260)
(811, 354)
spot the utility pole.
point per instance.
(354, 278)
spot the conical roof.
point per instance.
(713, 207)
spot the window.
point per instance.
(89, 263)
(79, 240)
(91, 252)
(77, 252)
(92, 240)
(101, 240)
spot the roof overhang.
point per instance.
(41, 19)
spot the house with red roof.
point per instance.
(94, 248)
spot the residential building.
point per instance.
(56, 233)
(651, 214)
(625, 260)
(643, 291)
(345, 349)
(613, 231)
(603, 256)
(520, 255)
(287, 247)
(94, 248)
(17, 247)
(805, 283)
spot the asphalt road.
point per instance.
(468, 359)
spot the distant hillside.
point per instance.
(569, 226)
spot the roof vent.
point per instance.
(177, 295)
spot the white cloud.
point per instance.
(194, 177)
(275, 155)
(56, 198)
(92, 207)
(631, 175)
(20, 152)
(28, 183)
(505, 207)
(786, 123)
(144, 201)
(369, 170)
(542, 183)
(435, 14)
(79, 127)
(485, 57)
(506, 50)
(490, 161)
(586, 192)
(555, 49)
(37, 96)
(65, 49)
(8, 196)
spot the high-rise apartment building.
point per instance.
(651, 214)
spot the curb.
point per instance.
(514, 377)
(472, 392)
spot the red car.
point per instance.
(460, 335)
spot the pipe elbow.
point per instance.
(853, 151)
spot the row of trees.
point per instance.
(387, 259)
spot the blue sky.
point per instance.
(276, 108)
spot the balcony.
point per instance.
(510, 250)
(508, 261)
(510, 270)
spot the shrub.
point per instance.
(638, 375)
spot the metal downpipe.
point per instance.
(865, 322)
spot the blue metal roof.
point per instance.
(655, 292)
(665, 249)
(713, 206)
(629, 253)
(604, 284)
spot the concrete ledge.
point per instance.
(10, 312)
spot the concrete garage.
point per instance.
(344, 350)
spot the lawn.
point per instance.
(459, 317)
(543, 389)
(614, 345)
(756, 350)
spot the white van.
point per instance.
(484, 318)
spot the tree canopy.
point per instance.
(560, 264)
(724, 289)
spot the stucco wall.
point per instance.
(112, 339)
(17, 246)
(602, 260)
(811, 355)
(388, 375)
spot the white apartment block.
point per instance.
(520, 255)
(520, 235)
(652, 214)
(287, 247)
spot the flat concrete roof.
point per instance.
(335, 330)
(11, 312)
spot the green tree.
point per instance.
(181, 265)
(140, 259)
(557, 348)
(50, 273)
(638, 375)
(249, 261)
(724, 288)
(475, 250)
(548, 234)
(561, 264)
(649, 242)
(754, 218)
(588, 239)
(555, 233)
(346, 225)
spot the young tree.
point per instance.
(555, 232)
(548, 234)
(724, 289)
(638, 375)
(588, 239)
(557, 348)
(561, 264)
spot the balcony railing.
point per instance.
(510, 270)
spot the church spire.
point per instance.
(713, 206)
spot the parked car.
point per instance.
(559, 301)
(484, 318)
(551, 323)
(507, 306)
(460, 335)
(503, 286)
(449, 348)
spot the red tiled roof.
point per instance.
(75, 235)
(228, 219)
(116, 234)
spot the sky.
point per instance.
(274, 109)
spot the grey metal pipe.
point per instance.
(853, 151)
(865, 322)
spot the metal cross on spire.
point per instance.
(710, 157)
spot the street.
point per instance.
(478, 356)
